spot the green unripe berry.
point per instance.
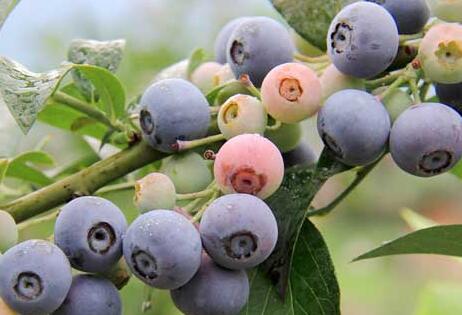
(8, 231)
(188, 171)
(154, 191)
(286, 138)
(242, 114)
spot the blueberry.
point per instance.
(204, 77)
(291, 92)
(212, 291)
(256, 46)
(238, 231)
(426, 139)
(363, 40)
(249, 164)
(89, 230)
(286, 137)
(242, 114)
(355, 126)
(154, 191)
(188, 171)
(397, 102)
(222, 39)
(91, 295)
(163, 249)
(410, 15)
(451, 95)
(447, 10)
(171, 110)
(301, 155)
(333, 81)
(440, 53)
(35, 277)
(8, 231)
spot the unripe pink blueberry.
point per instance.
(155, 191)
(223, 75)
(204, 76)
(291, 92)
(242, 114)
(249, 164)
(440, 53)
(332, 81)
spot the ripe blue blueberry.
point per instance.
(256, 46)
(163, 249)
(301, 155)
(410, 15)
(355, 126)
(171, 110)
(91, 295)
(363, 40)
(426, 139)
(213, 290)
(222, 38)
(238, 231)
(451, 95)
(89, 230)
(35, 277)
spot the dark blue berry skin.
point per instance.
(35, 277)
(426, 139)
(451, 95)
(91, 295)
(303, 154)
(213, 291)
(355, 126)
(222, 39)
(163, 249)
(410, 15)
(89, 230)
(256, 46)
(238, 231)
(363, 40)
(171, 110)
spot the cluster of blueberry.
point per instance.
(206, 270)
(258, 115)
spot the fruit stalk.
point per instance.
(85, 108)
(84, 182)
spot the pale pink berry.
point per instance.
(291, 92)
(250, 164)
(204, 76)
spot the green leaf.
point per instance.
(26, 92)
(104, 54)
(310, 18)
(301, 272)
(81, 122)
(3, 169)
(63, 117)
(23, 167)
(6, 6)
(442, 240)
(313, 287)
(198, 57)
(109, 88)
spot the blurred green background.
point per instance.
(161, 32)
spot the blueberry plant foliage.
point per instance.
(85, 96)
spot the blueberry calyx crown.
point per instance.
(28, 286)
(241, 245)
